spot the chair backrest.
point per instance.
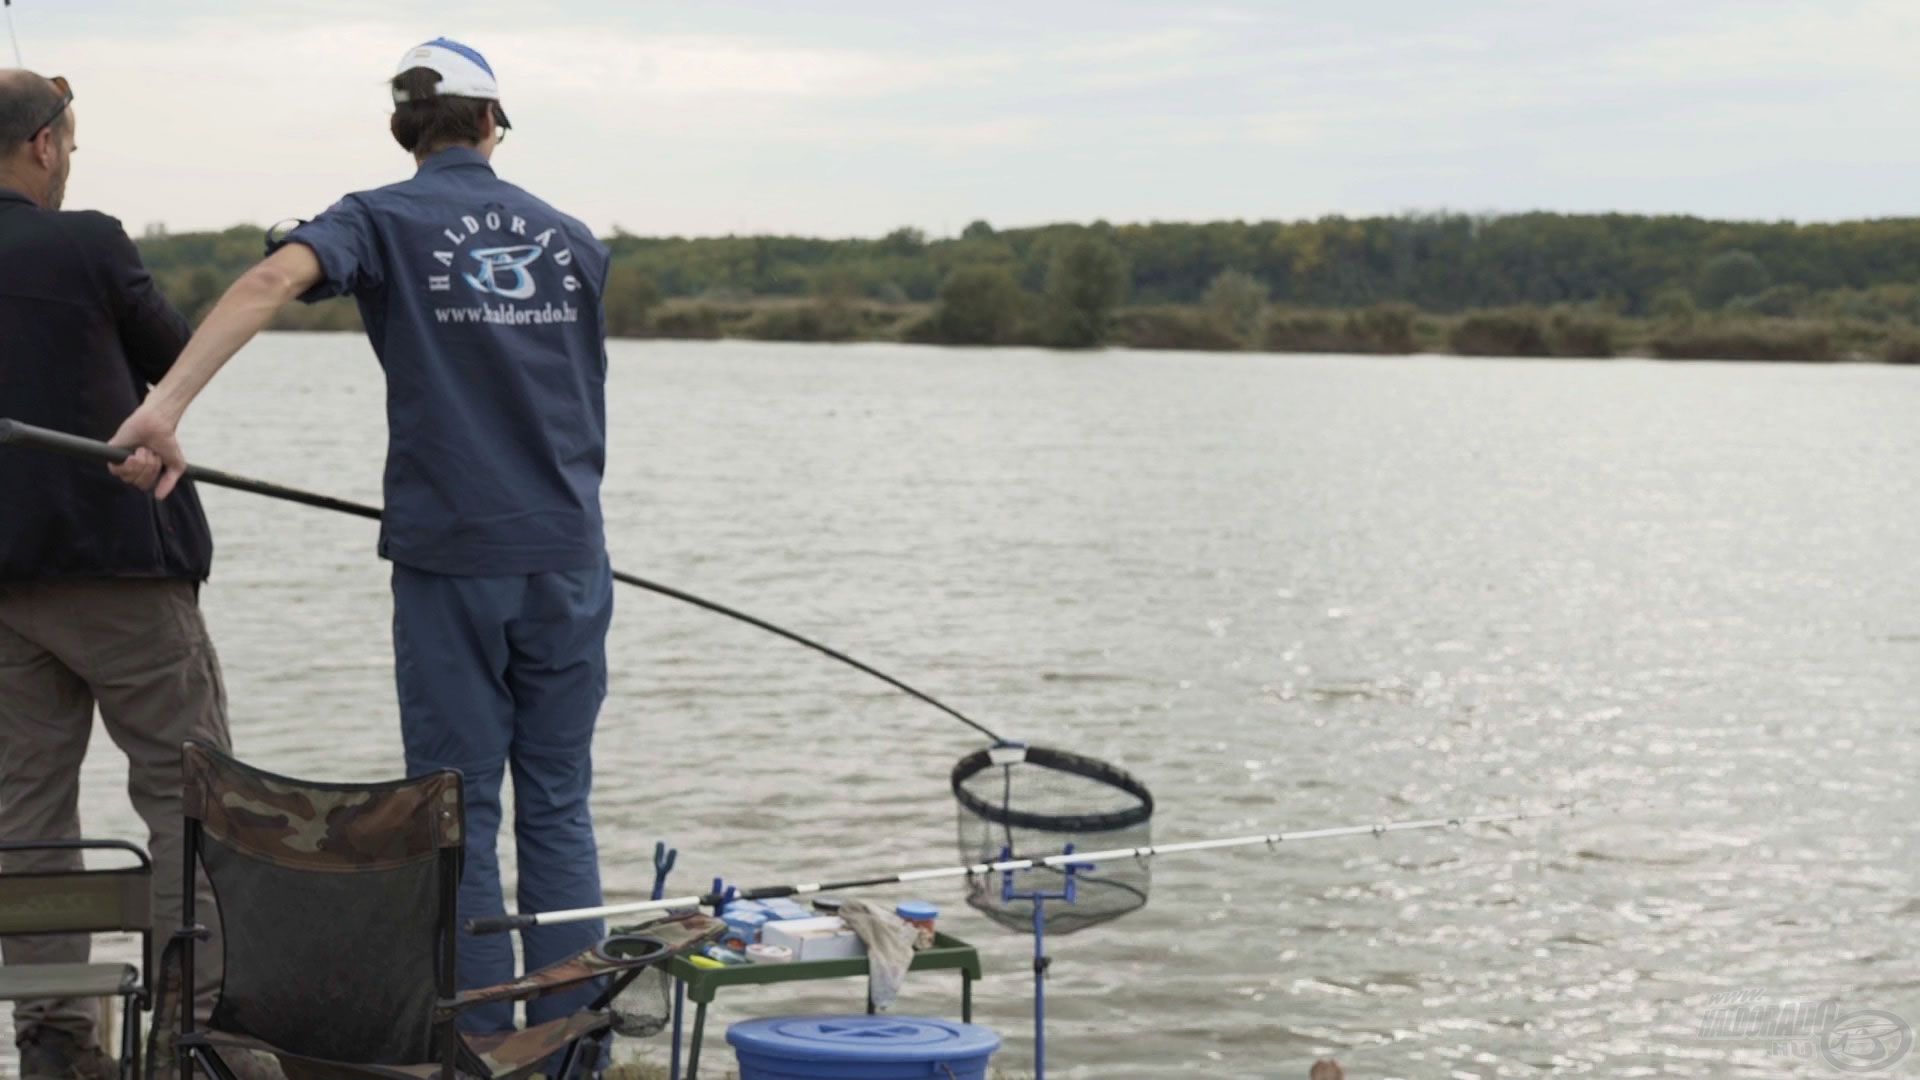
(336, 905)
(38, 899)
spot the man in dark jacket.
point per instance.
(98, 581)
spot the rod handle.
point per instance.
(501, 924)
(16, 433)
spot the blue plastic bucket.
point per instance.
(861, 1048)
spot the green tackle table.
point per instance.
(704, 983)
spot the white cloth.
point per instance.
(889, 939)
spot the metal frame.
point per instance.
(450, 1050)
(1069, 892)
(134, 1000)
(702, 984)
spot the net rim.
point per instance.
(1060, 760)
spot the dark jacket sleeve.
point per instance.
(152, 331)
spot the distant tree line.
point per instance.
(1440, 263)
(1371, 284)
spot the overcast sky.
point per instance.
(850, 117)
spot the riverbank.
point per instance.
(1379, 330)
(1531, 285)
(1388, 330)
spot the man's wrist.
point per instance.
(166, 404)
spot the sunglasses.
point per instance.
(61, 84)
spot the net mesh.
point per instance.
(1035, 807)
(642, 1010)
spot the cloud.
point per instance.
(862, 115)
(672, 69)
(1863, 38)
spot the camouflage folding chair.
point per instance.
(82, 902)
(337, 907)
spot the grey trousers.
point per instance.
(139, 650)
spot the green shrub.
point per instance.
(1902, 347)
(1237, 303)
(631, 294)
(1172, 328)
(921, 330)
(818, 320)
(1571, 333)
(694, 321)
(1382, 328)
(1731, 275)
(1674, 304)
(1086, 280)
(979, 305)
(1780, 302)
(1304, 332)
(1506, 332)
(1755, 339)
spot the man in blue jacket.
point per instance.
(483, 304)
(98, 582)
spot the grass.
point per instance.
(1799, 340)
(1382, 329)
(825, 319)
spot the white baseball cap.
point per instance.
(463, 72)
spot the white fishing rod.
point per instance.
(503, 923)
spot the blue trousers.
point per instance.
(499, 673)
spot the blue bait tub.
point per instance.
(861, 1048)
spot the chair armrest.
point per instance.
(626, 949)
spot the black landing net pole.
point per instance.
(15, 433)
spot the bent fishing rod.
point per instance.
(496, 924)
(15, 433)
(17, 62)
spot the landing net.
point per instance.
(1035, 801)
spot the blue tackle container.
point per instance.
(861, 1048)
(916, 911)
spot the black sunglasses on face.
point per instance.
(66, 98)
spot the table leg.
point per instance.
(966, 998)
(699, 1032)
(679, 1014)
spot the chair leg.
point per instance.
(210, 1061)
(446, 1037)
(603, 1054)
(586, 1055)
(131, 1041)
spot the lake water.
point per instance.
(1286, 592)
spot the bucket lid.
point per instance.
(916, 909)
(862, 1038)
